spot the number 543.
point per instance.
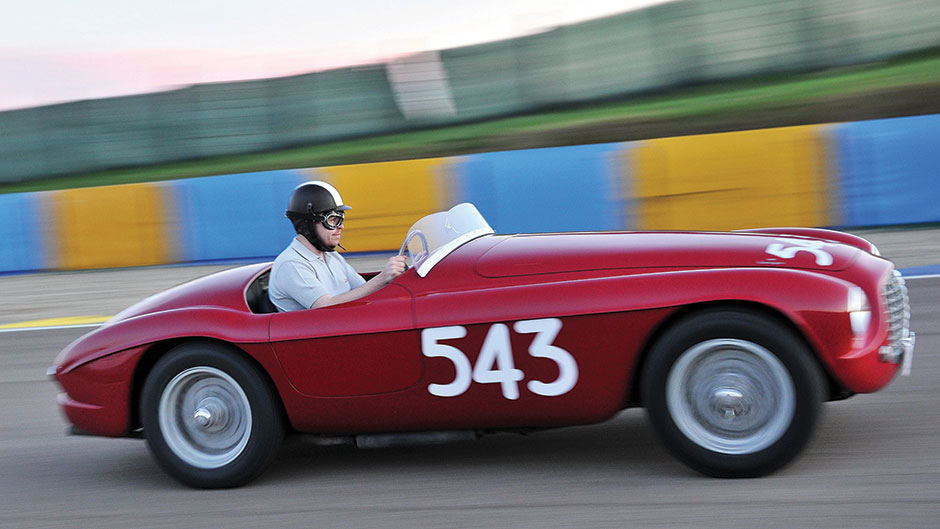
(495, 363)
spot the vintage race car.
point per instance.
(731, 341)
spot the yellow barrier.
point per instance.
(770, 177)
(113, 226)
(387, 198)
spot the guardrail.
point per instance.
(880, 172)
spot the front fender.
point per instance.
(820, 233)
(816, 304)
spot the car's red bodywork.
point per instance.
(363, 366)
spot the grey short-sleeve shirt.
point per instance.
(299, 277)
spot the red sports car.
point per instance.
(731, 341)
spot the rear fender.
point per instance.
(227, 325)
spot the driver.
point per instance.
(309, 273)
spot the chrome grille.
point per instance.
(898, 311)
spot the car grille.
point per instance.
(898, 309)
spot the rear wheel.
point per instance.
(732, 393)
(210, 417)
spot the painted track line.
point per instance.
(55, 323)
(925, 276)
(49, 328)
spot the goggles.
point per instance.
(332, 219)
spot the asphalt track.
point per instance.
(875, 461)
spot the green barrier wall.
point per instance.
(484, 79)
(660, 47)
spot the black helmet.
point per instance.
(314, 197)
(311, 203)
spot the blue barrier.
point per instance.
(545, 190)
(21, 233)
(886, 170)
(234, 216)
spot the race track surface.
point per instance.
(875, 462)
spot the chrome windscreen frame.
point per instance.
(435, 236)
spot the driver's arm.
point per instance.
(393, 268)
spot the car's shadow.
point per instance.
(625, 442)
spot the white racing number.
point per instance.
(430, 348)
(546, 330)
(497, 351)
(495, 363)
(789, 248)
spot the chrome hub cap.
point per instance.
(210, 416)
(729, 403)
(205, 417)
(730, 396)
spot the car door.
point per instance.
(513, 355)
(364, 347)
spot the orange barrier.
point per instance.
(770, 177)
(113, 226)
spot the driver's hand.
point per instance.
(394, 268)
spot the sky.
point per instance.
(54, 51)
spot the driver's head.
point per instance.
(316, 210)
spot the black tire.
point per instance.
(211, 419)
(731, 393)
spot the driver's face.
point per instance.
(329, 237)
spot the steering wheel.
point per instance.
(415, 259)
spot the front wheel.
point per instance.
(210, 418)
(732, 393)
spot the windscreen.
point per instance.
(433, 237)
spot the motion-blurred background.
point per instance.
(689, 114)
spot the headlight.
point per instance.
(859, 311)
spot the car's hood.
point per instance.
(222, 289)
(553, 253)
